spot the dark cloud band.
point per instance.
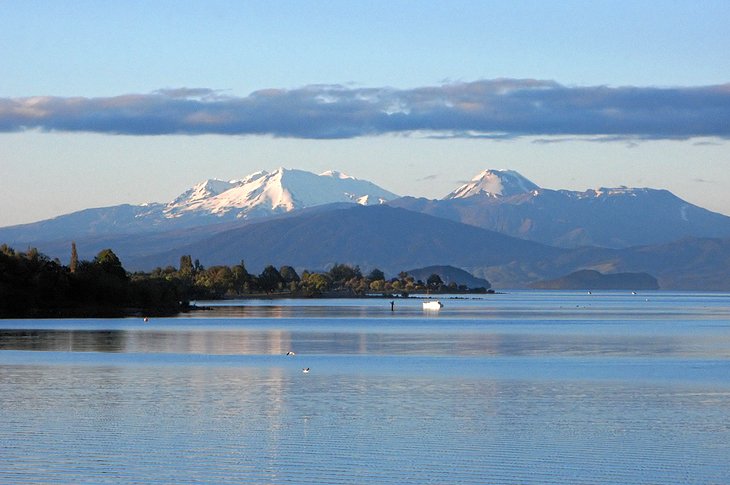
(502, 108)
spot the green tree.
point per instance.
(186, 265)
(289, 274)
(434, 281)
(109, 263)
(242, 280)
(376, 275)
(216, 281)
(270, 280)
(314, 284)
(341, 273)
(377, 285)
(74, 258)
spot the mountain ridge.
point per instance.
(212, 201)
(617, 217)
(502, 229)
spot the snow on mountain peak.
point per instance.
(203, 190)
(282, 190)
(494, 183)
(337, 175)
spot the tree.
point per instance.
(216, 280)
(241, 278)
(289, 274)
(108, 262)
(186, 264)
(377, 285)
(315, 283)
(434, 281)
(376, 275)
(270, 279)
(343, 272)
(74, 258)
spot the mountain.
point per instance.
(588, 279)
(448, 275)
(283, 190)
(210, 202)
(388, 238)
(494, 183)
(687, 264)
(499, 200)
(506, 202)
(222, 222)
(393, 240)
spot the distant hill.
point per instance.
(506, 202)
(593, 280)
(690, 263)
(396, 239)
(388, 238)
(448, 275)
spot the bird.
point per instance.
(306, 370)
(290, 353)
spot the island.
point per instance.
(588, 279)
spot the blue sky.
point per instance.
(104, 103)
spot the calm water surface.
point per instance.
(525, 387)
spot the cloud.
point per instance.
(492, 109)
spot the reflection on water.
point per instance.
(455, 341)
(529, 388)
(247, 425)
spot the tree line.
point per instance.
(192, 279)
(31, 284)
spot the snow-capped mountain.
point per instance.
(212, 201)
(506, 202)
(283, 190)
(494, 183)
(223, 222)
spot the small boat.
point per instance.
(432, 305)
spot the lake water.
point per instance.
(519, 388)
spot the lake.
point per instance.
(524, 387)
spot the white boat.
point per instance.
(432, 305)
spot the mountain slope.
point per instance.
(283, 190)
(607, 217)
(377, 236)
(209, 202)
(494, 183)
(394, 240)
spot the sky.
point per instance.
(105, 102)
